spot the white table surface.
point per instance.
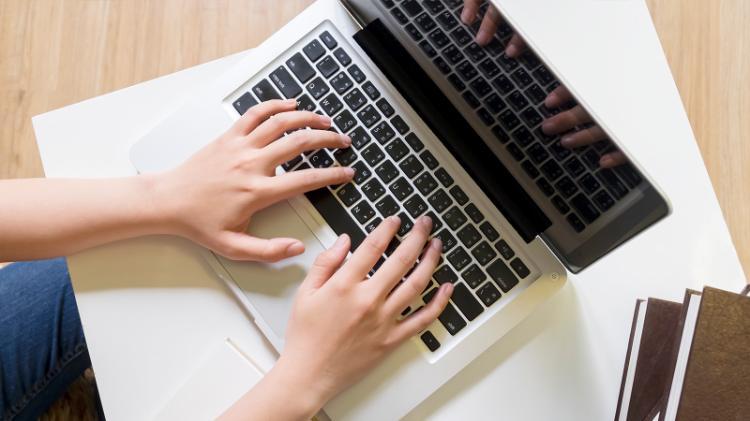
(151, 308)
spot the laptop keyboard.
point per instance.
(508, 96)
(395, 174)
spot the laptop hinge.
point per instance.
(416, 86)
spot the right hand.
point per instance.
(490, 23)
(344, 323)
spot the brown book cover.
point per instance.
(717, 376)
(644, 384)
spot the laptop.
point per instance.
(440, 126)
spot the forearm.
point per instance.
(41, 218)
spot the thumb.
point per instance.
(327, 263)
(240, 246)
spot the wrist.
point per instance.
(301, 383)
(161, 210)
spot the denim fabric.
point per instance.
(42, 348)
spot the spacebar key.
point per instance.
(336, 216)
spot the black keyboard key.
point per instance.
(349, 194)
(373, 190)
(507, 63)
(459, 195)
(265, 92)
(515, 152)
(456, 82)
(503, 84)
(629, 175)
(489, 231)
(397, 149)
(522, 78)
(336, 215)
(559, 152)
(459, 258)
(370, 227)
(466, 303)
(430, 341)
(603, 201)
(523, 136)
(494, 103)
(500, 134)
(383, 132)
(345, 156)
(428, 297)
(400, 125)
(285, 82)
(341, 83)
(356, 73)
(467, 71)
(345, 121)
(411, 166)
(385, 107)
(331, 104)
(433, 6)
(451, 320)
(399, 16)
(474, 276)
(453, 55)
(317, 88)
(529, 60)
(474, 213)
(401, 189)
(517, 100)
(488, 294)
(591, 159)
(537, 153)
(360, 138)
(505, 250)
(536, 94)
(355, 99)
(543, 76)
(244, 103)
(552, 170)
(425, 183)
(328, 40)
(413, 32)
(414, 142)
(440, 201)
(455, 218)
(446, 20)
(449, 241)
(531, 117)
(545, 187)
(429, 159)
(469, 236)
(361, 172)
(291, 163)
(502, 275)
(475, 52)
(486, 117)
(530, 169)
(471, 99)
(321, 159)
(369, 116)
(415, 206)
(576, 223)
(613, 184)
(489, 68)
(363, 212)
(574, 167)
(328, 66)
(566, 187)
(560, 205)
(304, 103)
(444, 275)
(314, 50)
(387, 207)
(406, 224)
(508, 120)
(589, 183)
(483, 253)
(445, 179)
(371, 91)
(585, 208)
(300, 67)
(342, 57)
(373, 155)
(412, 7)
(425, 22)
(428, 49)
(387, 172)
(438, 38)
(520, 268)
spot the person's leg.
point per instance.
(42, 348)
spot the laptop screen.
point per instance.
(549, 165)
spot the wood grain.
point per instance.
(57, 52)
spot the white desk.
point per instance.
(152, 309)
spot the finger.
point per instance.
(275, 127)
(583, 137)
(421, 319)
(407, 292)
(240, 246)
(566, 120)
(256, 115)
(327, 263)
(469, 14)
(295, 183)
(559, 97)
(368, 253)
(404, 258)
(302, 141)
(489, 26)
(612, 159)
(516, 46)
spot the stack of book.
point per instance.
(689, 360)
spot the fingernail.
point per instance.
(466, 16)
(551, 100)
(511, 51)
(349, 171)
(547, 127)
(425, 220)
(566, 141)
(295, 248)
(447, 289)
(483, 37)
(394, 219)
(346, 140)
(436, 243)
(325, 120)
(291, 101)
(606, 161)
(340, 241)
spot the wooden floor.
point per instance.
(57, 52)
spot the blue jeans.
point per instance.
(42, 348)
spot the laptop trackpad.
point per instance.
(270, 288)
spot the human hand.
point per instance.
(490, 23)
(577, 117)
(212, 196)
(343, 324)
